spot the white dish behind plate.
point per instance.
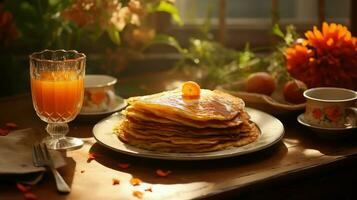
(272, 131)
(121, 103)
(274, 104)
(98, 80)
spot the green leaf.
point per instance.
(167, 40)
(95, 33)
(53, 2)
(114, 35)
(246, 55)
(277, 31)
(164, 6)
(291, 35)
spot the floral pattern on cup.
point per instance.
(98, 97)
(330, 113)
(316, 113)
(333, 113)
(330, 107)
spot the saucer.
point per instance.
(120, 104)
(326, 131)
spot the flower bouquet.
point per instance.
(325, 58)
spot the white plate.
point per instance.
(272, 130)
(121, 103)
(326, 131)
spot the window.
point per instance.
(246, 12)
(248, 20)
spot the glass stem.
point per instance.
(57, 130)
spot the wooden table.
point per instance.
(300, 166)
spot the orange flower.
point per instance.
(86, 13)
(333, 113)
(325, 58)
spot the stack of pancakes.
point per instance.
(168, 122)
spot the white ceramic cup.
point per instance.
(330, 107)
(99, 94)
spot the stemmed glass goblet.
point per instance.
(57, 88)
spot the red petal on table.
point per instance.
(124, 165)
(11, 125)
(137, 194)
(148, 189)
(162, 173)
(135, 181)
(92, 156)
(4, 132)
(116, 181)
(30, 196)
(22, 187)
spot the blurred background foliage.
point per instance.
(109, 32)
(116, 34)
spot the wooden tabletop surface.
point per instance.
(299, 151)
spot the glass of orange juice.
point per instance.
(57, 88)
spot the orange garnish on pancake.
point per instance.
(191, 90)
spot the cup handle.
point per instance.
(111, 97)
(352, 111)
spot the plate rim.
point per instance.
(193, 156)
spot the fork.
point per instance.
(42, 158)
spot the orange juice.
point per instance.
(57, 98)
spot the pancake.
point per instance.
(169, 146)
(172, 122)
(211, 105)
(166, 129)
(144, 115)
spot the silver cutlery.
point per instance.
(42, 158)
